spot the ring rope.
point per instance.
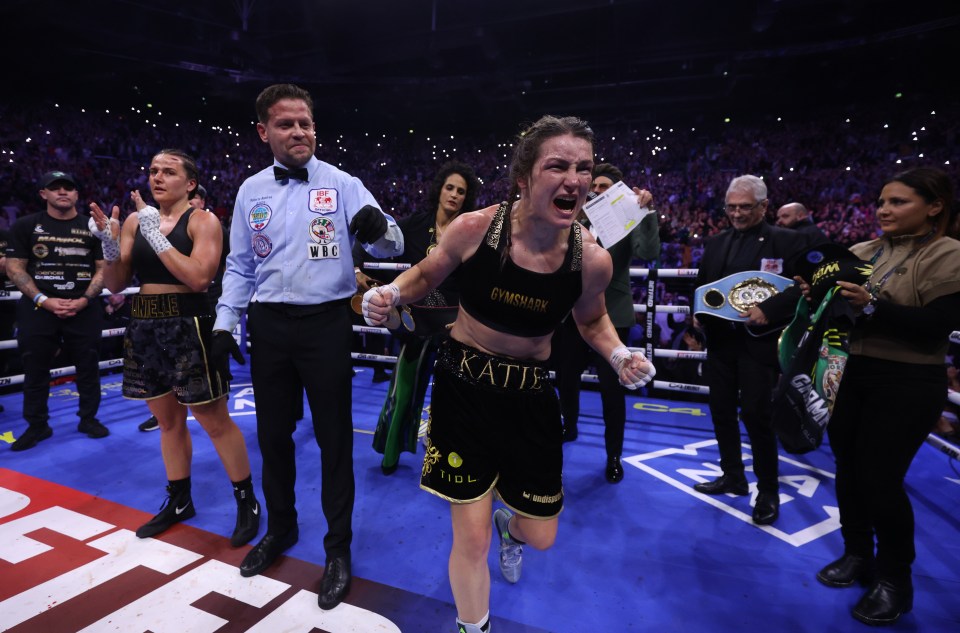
(652, 274)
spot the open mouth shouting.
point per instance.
(565, 203)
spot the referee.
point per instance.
(294, 226)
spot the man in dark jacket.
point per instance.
(742, 365)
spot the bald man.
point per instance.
(795, 216)
(792, 214)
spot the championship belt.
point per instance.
(728, 297)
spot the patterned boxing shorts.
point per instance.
(165, 349)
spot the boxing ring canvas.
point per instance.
(647, 554)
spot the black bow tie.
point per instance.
(298, 173)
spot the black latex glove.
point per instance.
(369, 224)
(222, 348)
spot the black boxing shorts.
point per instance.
(494, 425)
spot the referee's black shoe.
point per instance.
(266, 551)
(335, 583)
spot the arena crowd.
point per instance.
(832, 161)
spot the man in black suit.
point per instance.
(741, 367)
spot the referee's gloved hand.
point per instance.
(369, 224)
(221, 349)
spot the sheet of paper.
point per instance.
(614, 213)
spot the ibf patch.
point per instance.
(40, 250)
(259, 217)
(323, 200)
(774, 266)
(262, 245)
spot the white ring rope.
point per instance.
(366, 329)
(679, 353)
(377, 358)
(6, 381)
(662, 273)
(385, 266)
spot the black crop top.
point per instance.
(514, 300)
(146, 263)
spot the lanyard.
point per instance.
(874, 289)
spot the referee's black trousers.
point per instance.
(296, 348)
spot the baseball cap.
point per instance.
(824, 265)
(55, 176)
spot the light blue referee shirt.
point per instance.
(289, 242)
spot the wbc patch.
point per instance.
(774, 266)
(323, 200)
(322, 230)
(262, 245)
(323, 236)
(260, 217)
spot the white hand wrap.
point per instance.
(149, 219)
(633, 368)
(111, 245)
(388, 295)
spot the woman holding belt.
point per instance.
(893, 386)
